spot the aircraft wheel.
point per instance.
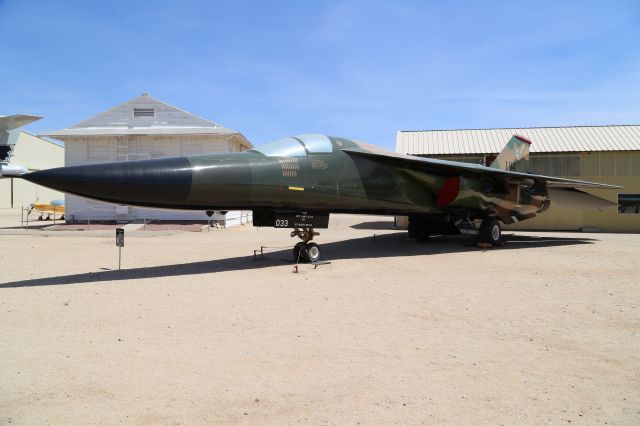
(296, 252)
(418, 228)
(413, 228)
(490, 231)
(313, 252)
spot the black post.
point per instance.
(120, 244)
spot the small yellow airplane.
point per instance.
(55, 207)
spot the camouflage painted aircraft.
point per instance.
(298, 181)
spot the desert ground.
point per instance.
(545, 330)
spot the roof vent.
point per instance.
(144, 112)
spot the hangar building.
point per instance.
(34, 153)
(143, 128)
(608, 154)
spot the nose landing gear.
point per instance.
(305, 251)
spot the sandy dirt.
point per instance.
(193, 330)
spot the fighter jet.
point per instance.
(298, 181)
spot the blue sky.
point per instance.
(361, 69)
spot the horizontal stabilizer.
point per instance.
(574, 198)
(11, 170)
(11, 122)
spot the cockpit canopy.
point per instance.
(296, 146)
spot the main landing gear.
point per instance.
(488, 234)
(305, 251)
(490, 231)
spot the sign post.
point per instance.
(120, 244)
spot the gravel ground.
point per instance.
(193, 330)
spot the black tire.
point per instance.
(312, 252)
(413, 227)
(419, 228)
(297, 256)
(490, 231)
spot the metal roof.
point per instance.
(545, 139)
(144, 115)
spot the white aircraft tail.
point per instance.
(9, 131)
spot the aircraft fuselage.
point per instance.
(331, 181)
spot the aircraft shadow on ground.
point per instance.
(373, 225)
(31, 226)
(388, 245)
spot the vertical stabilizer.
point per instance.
(515, 156)
(9, 131)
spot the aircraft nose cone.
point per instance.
(159, 183)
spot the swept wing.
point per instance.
(455, 168)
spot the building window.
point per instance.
(192, 148)
(488, 159)
(97, 150)
(556, 165)
(629, 203)
(144, 112)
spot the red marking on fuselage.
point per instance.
(523, 139)
(449, 191)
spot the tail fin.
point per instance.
(9, 131)
(515, 156)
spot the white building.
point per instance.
(34, 153)
(143, 128)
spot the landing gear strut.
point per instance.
(304, 250)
